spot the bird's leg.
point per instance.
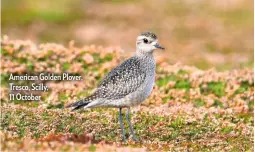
(130, 125)
(121, 126)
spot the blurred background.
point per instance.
(203, 33)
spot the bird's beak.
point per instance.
(159, 47)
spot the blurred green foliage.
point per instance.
(202, 33)
(24, 12)
(217, 88)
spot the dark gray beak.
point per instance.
(159, 47)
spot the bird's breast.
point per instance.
(149, 83)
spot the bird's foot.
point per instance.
(135, 138)
(123, 139)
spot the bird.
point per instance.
(128, 84)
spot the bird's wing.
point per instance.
(121, 81)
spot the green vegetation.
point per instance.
(163, 81)
(244, 87)
(189, 109)
(165, 99)
(199, 103)
(216, 26)
(227, 130)
(182, 84)
(217, 103)
(39, 123)
(66, 66)
(216, 88)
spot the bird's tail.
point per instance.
(80, 104)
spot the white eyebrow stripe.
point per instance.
(141, 37)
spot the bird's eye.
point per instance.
(145, 40)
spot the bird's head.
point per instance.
(147, 42)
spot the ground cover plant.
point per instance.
(206, 34)
(189, 109)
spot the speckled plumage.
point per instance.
(149, 34)
(128, 81)
(129, 84)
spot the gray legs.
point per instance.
(121, 126)
(130, 125)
